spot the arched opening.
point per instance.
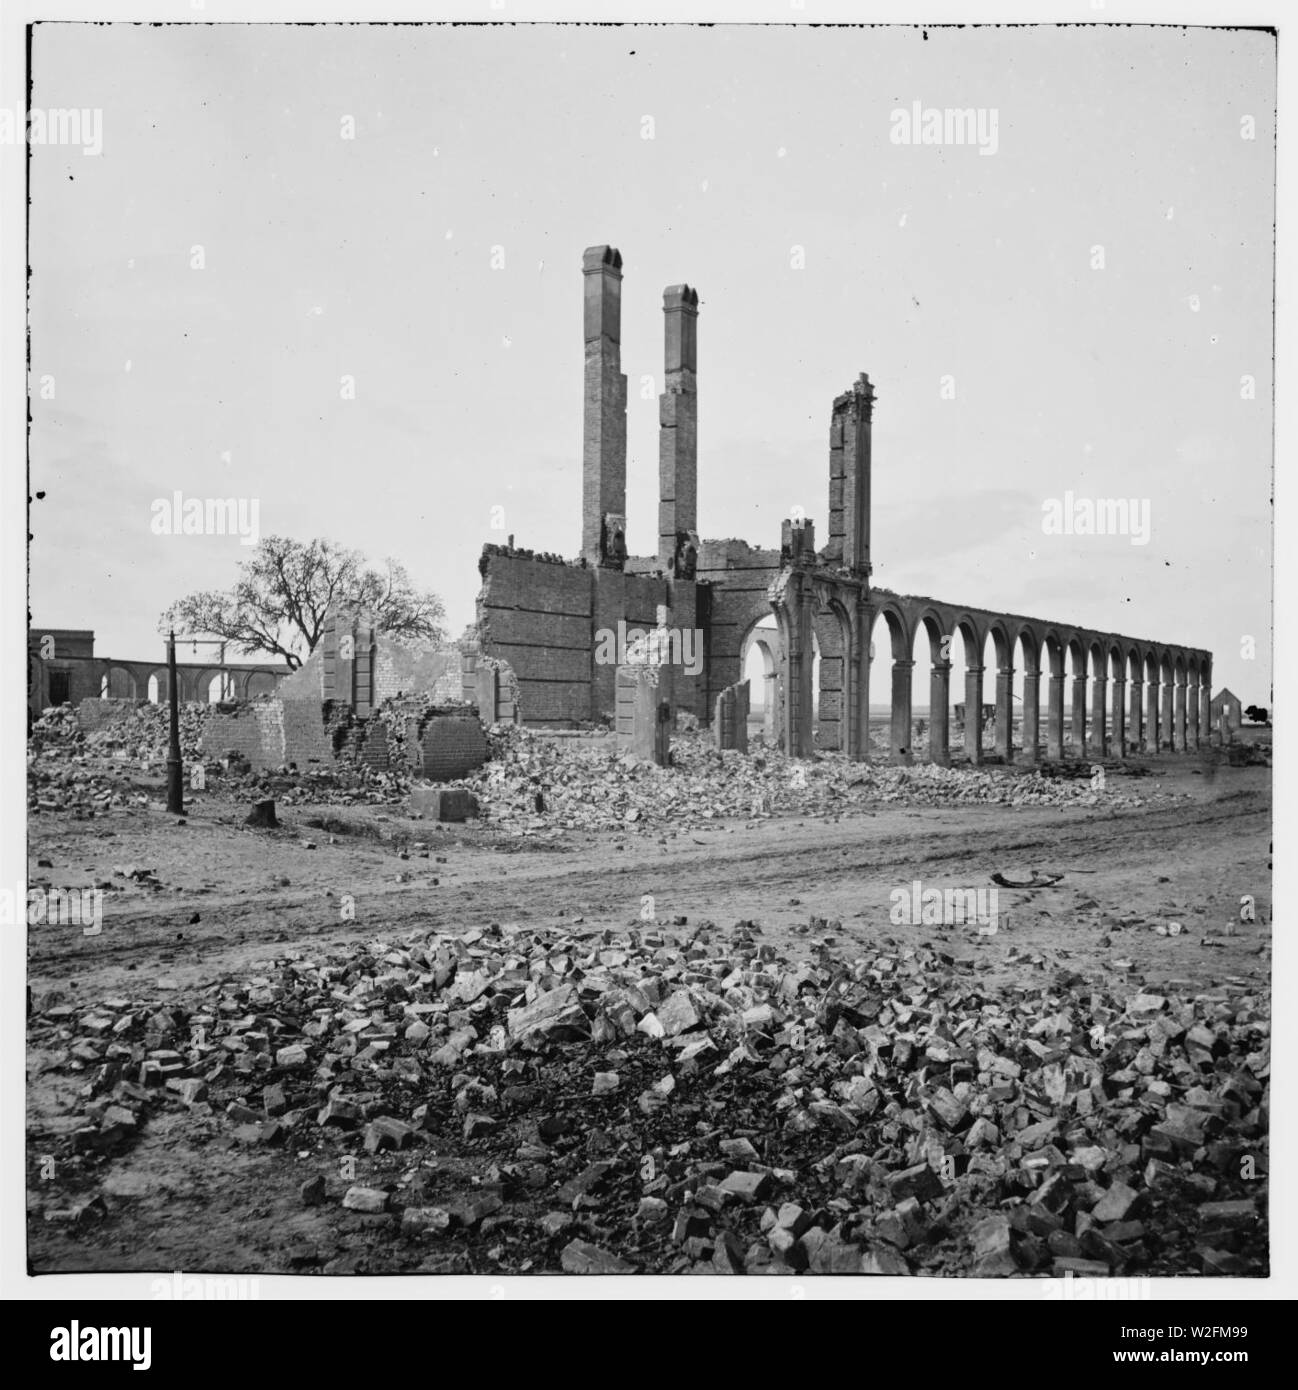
(1028, 682)
(159, 688)
(1055, 661)
(760, 666)
(1178, 705)
(1135, 701)
(1166, 720)
(923, 653)
(891, 726)
(932, 657)
(998, 690)
(1097, 731)
(1075, 740)
(1117, 713)
(117, 683)
(1152, 711)
(967, 689)
(260, 683)
(203, 685)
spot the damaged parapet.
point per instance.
(644, 712)
(730, 718)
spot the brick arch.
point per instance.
(734, 617)
(767, 641)
(1054, 648)
(1113, 695)
(1153, 669)
(971, 631)
(1079, 661)
(1055, 644)
(1180, 720)
(1166, 701)
(772, 652)
(1004, 634)
(897, 622)
(1096, 742)
(121, 681)
(973, 636)
(258, 682)
(1028, 637)
(200, 681)
(930, 618)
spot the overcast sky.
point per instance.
(820, 249)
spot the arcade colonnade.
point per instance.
(1123, 694)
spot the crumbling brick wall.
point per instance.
(365, 743)
(94, 713)
(545, 618)
(450, 746)
(730, 720)
(254, 731)
(382, 667)
(536, 614)
(644, 702)
(492, 686)
(738, 576)
(307, 742)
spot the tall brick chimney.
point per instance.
(849, 478)
(603, 460)
(678, 426)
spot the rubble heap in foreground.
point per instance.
(677, 1099)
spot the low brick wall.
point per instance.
(449, 747)
(254, 731)
(439, 747)
(307, 741)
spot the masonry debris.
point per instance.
(523, 781)
(587, 783)
(695, 1101)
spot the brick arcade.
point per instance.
(542, 615)
(537, 653)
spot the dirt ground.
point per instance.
(227, 898)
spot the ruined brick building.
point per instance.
(547, 618)
(62, 668)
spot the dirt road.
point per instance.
(223, 900)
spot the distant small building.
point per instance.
(1225, 715)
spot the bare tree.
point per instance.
(285, 591)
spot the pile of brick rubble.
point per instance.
(589, 784)
(685, 1099)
